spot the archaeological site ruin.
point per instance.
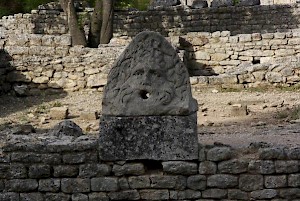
(147, 146)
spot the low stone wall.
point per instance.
(43, 167)
(49, 61)
(170, 21)
(239, 20)
(246, 59)
(38, 62)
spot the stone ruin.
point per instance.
(148, 109)
(189, 3)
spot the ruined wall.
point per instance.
(238, 20)
(249, 59)
(261, 48)
(49, 19)
(43, 167)
(48, 61)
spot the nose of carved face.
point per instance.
(146, 79)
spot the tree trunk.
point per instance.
(107, 21)
(95, 28)
(77, 34)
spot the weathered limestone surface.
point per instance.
(148, 79)
(148, 109)
(250, 51)
(151, 137)
(45, 167)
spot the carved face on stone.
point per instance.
(148, 79)
(149, 84)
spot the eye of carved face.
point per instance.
(155, 72)
(139, 72)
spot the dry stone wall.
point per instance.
(49, 61)
(38, 62)
(44, 167)
(239, 20)
(246, 59)
(176, 20)
(262, 47)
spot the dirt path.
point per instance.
(235, 118)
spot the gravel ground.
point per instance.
(234, 118)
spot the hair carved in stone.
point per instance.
(148, 79)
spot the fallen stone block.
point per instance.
(239, 110)
(89, 115)
(59, 113)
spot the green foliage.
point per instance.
(8, 7)
(295, 114)
(235, 2)
(290, 114)
(138, 4)
(57, 104)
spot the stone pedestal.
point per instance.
(148, 137)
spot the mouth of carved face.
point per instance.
(144, 94)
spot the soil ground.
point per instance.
(235, 118)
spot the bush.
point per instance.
(9, 7)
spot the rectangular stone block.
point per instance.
(39, 171)
(186, 195)
(154, 194)
(98, 197)
(139, 182)
(9, 196)
(49, 185)
(77, 185)
(125, 195)
(104, 184)
(148, 137)
(31, 196)
(94, 170)
(65, 171)
(180, 167)
(21, 185)
(74, 158)
(278, 181)
(57, 196)
(129, 169)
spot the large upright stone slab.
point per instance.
(148, 111)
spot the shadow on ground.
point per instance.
(17, 91)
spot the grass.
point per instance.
(290, 114)
(57, 104)
(42, 109)
(295, 114)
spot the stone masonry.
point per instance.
(258, 51)
(48, 62)
(148, 111)
(42, 167)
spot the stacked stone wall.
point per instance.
(238, 20)
(49, 61)
(262, 48)
(48, 168)
(245, 59)
(41, 62)
(176, 20)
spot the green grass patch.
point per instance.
(289, 114)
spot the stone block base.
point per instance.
(148, 137)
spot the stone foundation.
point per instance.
(148, 137)
(40, 167)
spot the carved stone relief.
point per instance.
(148, 79)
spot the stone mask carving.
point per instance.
(148, 79)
